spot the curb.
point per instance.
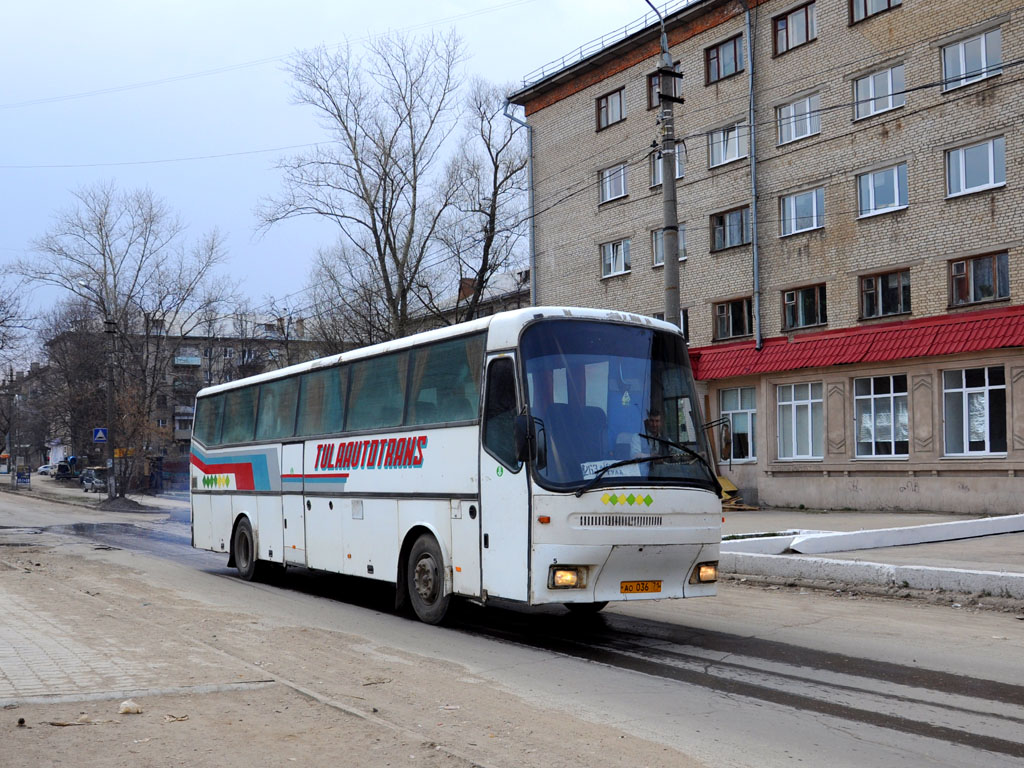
(859, 572)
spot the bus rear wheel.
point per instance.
(244, 548)
(425, 580)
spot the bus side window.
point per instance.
(500, 412)
(377, 396)
(276, 417)
(446, 381)
(321, 402)
(208, 417)
(239, 415)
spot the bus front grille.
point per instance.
(620, 521)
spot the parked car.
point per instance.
(43, 470)
(63, 471)
(94, 479)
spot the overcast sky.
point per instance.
(118, 90)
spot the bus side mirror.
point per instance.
(525, 437)
(531, 440)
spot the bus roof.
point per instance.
(504, 328)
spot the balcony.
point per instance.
(188, 361)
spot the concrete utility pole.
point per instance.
(670, 231)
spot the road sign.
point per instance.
(99, 434)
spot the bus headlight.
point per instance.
(704, 573)
(564, 577)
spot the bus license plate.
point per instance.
(639, 587)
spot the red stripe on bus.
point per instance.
(242, 472)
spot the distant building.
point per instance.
(852, 269)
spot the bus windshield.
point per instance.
(602, 393)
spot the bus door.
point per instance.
(293, 509)
(504, 488)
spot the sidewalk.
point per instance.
(990, 564)
(70, 492)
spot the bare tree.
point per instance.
(125, 254)
(381, 180)
(480, 231)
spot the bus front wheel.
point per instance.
(244, 547)
(425, 580)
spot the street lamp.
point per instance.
(109, 328)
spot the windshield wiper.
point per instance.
(600, 473)
(690, 452)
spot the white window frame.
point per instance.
(658, 248)
(791, 221)
(740, 413)
(953, 391)
(615, 254)
(991, 59)
(996, 158)
(868, 208)
(792, 400)
(728, 144)
(869, 408)
(613, 182)
(803, 123)
(895, 96)
(656, 167)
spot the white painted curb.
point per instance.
(811, 543)
(858, 572)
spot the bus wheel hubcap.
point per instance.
(425, 578)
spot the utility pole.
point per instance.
(670, 231)
(110, 328)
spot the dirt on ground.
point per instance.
(230, 689)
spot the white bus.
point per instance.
(507, 457)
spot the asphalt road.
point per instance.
(758, 676)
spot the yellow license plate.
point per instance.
(639, 587)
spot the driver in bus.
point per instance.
(641, 446)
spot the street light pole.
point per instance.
(110, 328)
(670, 229)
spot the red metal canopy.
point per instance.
(922, 337)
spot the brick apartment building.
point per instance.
(856, 321)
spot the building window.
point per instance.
(801, 421)
(882, 191)
(730, 228)
(887, 294)
(972, 59)
(658, 245)
(613, 183)
(879, 92)
(804, 307)
(974, 411)
(654, 87)
(229, 353)
(799, 119)
(611, 109)
(723, 60)
(880, 412)
(161, 423)
(803, 211)
(733, 318)
(795, 28)
(976, 168)
(656, 163)
(739, 410)
(861, 9)
(161, 401)
(979, 279)
(615, 258)
(728, 144)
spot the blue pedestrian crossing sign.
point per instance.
(99, 434)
